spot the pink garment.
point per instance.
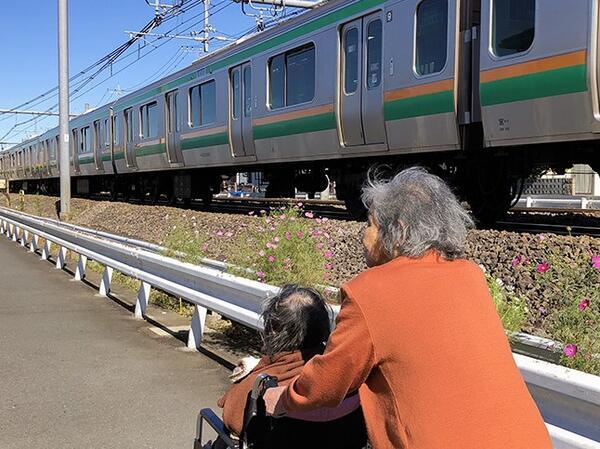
(324, 414)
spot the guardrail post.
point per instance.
(24, 238)
(529, 202)
(2, 229)
(46, 249)
(141, 303)
(584, 203)
(15, 233)
(80, 270)
(60, 258)
(197, 327)
(33, 244)
(105, 282)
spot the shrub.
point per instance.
(288, 246)
(511, 308)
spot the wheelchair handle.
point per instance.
(261, 384)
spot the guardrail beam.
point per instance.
(197, 327)
(141, 303)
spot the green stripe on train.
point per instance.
(150, 150)
(309, 27)
(319, 122)
(567, 80)
(210, 140)
(423, 105)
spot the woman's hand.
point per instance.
(273, 401)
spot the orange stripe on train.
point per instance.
(416, 91)
(536, 66)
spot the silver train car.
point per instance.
(483, 92)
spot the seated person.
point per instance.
(296, 328)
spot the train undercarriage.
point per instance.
(490, 181)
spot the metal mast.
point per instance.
(63, 121)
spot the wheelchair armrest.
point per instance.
(218, 426)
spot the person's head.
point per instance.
(411, 214)
(296, 319)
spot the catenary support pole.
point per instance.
(63, 92)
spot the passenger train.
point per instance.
(483, 92)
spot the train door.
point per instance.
(98, 146)
(172, 126)
(361, 82)
(129, 135)
(240, 118)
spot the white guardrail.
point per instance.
(558, 203)
(569, 400)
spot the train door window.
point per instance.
(149, 120)
(85, 141)
(374, 53)
(236, 89)
(117, 130)
(128, 117)
(351, 61)
(431, 37)
(300, 75)
(513, 26)
(247, 91)
(55, 149)
(106, 133)
(97, 135)
(277, 82)
(176, 111)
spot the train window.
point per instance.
(247, 92)
(374, 53)
(85, 140)
(117, 130)
(351, 61)
(292, 77)
(203, 104)
(431, 37)
(277, 82)
(54, 149)
(128, 117)
(513, 26)
(236, 89)
(149, 120)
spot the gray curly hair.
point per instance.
(416, 212)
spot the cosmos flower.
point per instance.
(271, 259)
(309, 215)
(328, 254)
(596, 262)
(542, 267)
(583, 304)
(570, 350)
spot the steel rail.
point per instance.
(569, 400)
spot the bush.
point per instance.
(511, 309)
(185, 243)
(288, 246)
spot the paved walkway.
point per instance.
(77, 371)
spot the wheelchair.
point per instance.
(260, 431)
(255, 425)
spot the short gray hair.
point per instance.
(416, 212)
(296, 319)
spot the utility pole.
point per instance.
(206, 25)
(63, 109)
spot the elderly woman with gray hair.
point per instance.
(418, 335)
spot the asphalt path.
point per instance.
(78, 371)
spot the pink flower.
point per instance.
(309, 215)
(276, 239)
(219, 233)
(542, 267)
(518, 260)
(229, 234)
(268, 220)
(205, 247)
(300, 204)
(320, 246)
(260, 275)
(261, 253)
(542, 237)
(318, 220)
(328, 254)
(324, 220)
(299, 234)
(596, 262)
(326, 276)
(288, 235)
(570, 350)
(583, 304)
(317, 233)
(282, 217)
(269, 245)
(329, 266)
(271, 259)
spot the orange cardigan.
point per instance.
(421, 340)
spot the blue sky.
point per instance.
(29, 54)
